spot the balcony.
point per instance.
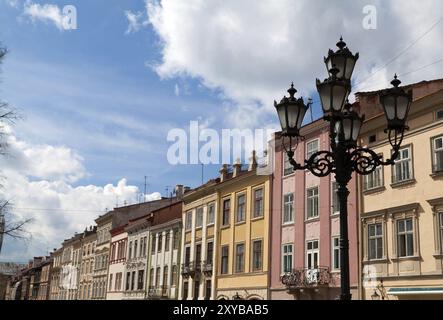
(307, 278)
(191, 269)
(158, 292)
(207, 268)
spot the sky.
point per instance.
(98, 101)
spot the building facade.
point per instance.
(54, 284)
(101, 256)
(164, 251)
(242, 236)
(117, 261)
(305, 230)
(402, 205)
(88, 243)
(199, 220)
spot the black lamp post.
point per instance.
(345, 156)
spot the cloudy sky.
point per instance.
(98, 101)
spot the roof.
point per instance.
(363, 93)
(168, 213)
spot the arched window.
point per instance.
(174, 275)
(157, 280)
(151, 278)
(165, 276)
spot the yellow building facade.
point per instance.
(401, 206)
(242, 234)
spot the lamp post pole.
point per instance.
(345, 156)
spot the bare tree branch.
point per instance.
(13, 229)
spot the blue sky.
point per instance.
(91, 89)
(98, 102)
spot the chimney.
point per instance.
(187, 189)
(223, 172)
(179, 190)
(237, 168)
(253, 161)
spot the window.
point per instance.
(176, 239)
(335, 199)
(135, 249)
(198, 253)
(311, 148)
(151, 278)
(133, 280)
(441, 232)
(241, 209)
(110, 282)
(145, 247)
(288, 211)
(130, 250)
(224, 259)
(312, 195)
(208, 290)
(288, 168)
(196, 289)
(240, 258)
(437, 154)
(257, 255)
(152, 244)
(211, 211)
(209, 252)
(372, 138)
(312, 254)
(258, 203)
(185, 290)
(174, 275)
(439, 114)
(128, 280)
(199, 219)
(160, 242)
(226, 210)
(167, 241)
(335, 253)
(157, 277)
(287, 251)
(140, 278)
(189, 221)
(375, 241)
(165, 276)
(187, 255)
(402, 169)
(405, 238)
(374, 179)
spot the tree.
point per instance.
(8, 227)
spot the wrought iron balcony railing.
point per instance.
(306, 278)
(207, 267)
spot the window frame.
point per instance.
(405, 233)
(334, 195)
(199, 213)
(410, 160)
(287, 254)
(317, 196)
(261, 200)
(237, 202)
(317, 141)
(243, 258)
(188, 221)
(224, 270)
(375, 238)
(381, 184)
(434, 153)
(312, 252)
(287, 203)
(212, 220)
(226, 212)
(253, 267)
(334, 248)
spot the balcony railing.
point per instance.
(307, 278)
(207, 268)
(191, 268)
(158, 292)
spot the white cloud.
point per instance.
(136, 21)
(177, 90)
(46, 13)
(13, 3)
(250, 51)
(38, 181)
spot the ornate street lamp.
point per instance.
(345, 156)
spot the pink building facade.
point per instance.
(305, 225)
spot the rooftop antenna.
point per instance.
(310, 104)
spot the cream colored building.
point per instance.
(402, 205)
(101, 256)
(54, 285)
(117, 262)
(89, 240)
(197, 276)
